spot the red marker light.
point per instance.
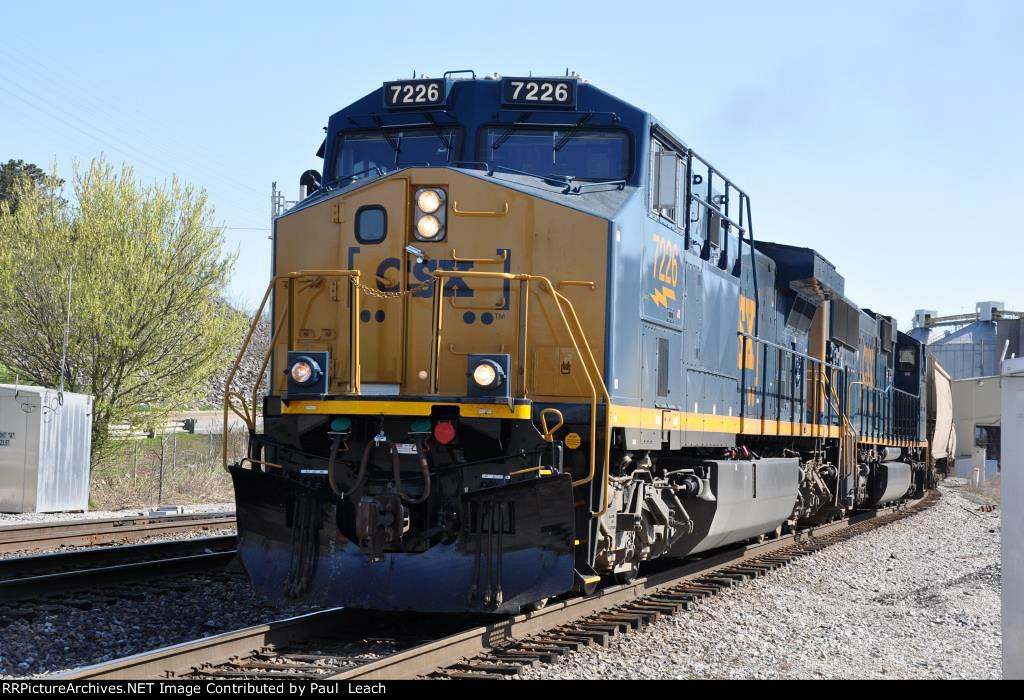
(444, 432)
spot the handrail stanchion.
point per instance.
(234, 370)
(355, 366)
(435, 344)
(524, 320)
(577, 337)
(287, 320)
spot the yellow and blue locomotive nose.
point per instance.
(419, 472)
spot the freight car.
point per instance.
(524, 340)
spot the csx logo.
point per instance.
(390, 270)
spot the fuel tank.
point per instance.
(752, 497)
(891, 482)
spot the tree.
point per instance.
(148, 322)
(14, 172)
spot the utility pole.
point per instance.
(278, 204)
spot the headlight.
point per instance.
(428, 201)
(305, 370)
(307, 373)
(430, 214)
(428, 227)
(302, 372)
(487, 374)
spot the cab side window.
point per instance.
(666, 181)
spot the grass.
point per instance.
(177, 468)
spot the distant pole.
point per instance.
(67, 329)
(160, 480)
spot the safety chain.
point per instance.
(374, 292)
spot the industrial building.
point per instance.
(971, 347)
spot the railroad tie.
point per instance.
(597, 636)
(684, 601)
(566, 641)
(718, 581)
(636, 621)
(695, 590)
(658, 606)
(481, 667)
(749, 571)
(466, 676)
(524, 658)
(610, 627)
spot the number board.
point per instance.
(415, 93)
(539, 92)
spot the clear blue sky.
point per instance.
(884, 134)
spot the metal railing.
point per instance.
(802, 398)
(235, 402)
(570, 321)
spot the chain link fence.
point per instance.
(169, 468)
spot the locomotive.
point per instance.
(524, 340)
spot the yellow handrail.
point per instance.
(578, 339)
(565, 308)
(848, 441)
(287, 320)
(466, 212)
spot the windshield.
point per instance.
(584, 154)
(387, 149)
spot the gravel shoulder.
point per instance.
(916, 599)
(13, 519)
(153, 539)
(28, 518)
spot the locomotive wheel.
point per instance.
(627, 576)
(536, 605)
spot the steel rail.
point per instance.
(423, 659)
(36, 537)
(158, 663)
(94, 557)
(32, 587)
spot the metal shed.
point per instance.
(45, 440)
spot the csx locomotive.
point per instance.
(524, 340)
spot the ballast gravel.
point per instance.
(919, 598)
(67, 637)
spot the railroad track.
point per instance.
(65, 572)
(339, 644)
(48, 536)
(85, 579)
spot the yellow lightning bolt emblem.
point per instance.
(662, 296)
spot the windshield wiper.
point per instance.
(439, 132)
(396, 144)
(507, 134)
(353, 176)
(572, 132)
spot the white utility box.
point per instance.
(45, 440)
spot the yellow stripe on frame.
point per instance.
(401, 408)
(622, 417)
